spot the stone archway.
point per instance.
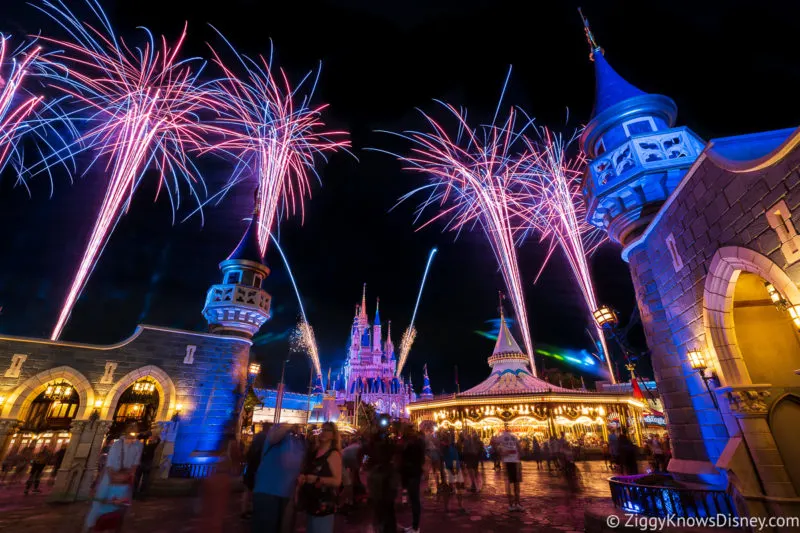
(718, 299)
(20, 399)
(166, 390)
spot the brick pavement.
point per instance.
(549, 508)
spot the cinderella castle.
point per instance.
(369, 373)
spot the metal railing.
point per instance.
(663, 501)
(197, 470)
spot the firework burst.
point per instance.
(273, 137)
(140, 105)
(16, 105)
(549, 203)
(471, 178)
(303, 340)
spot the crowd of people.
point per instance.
(320, 475)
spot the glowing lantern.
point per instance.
(605, 316)
(696, 360)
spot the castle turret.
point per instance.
(376, 328)
(427, 393)
(239, 306)
(636, 155)
(389, 348)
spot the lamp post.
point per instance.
(279, 397)
(698, 363)
(606, 320)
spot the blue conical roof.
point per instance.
(610, 87)
(248, 248)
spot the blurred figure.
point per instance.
(657, 449)
(143, 472)
(453, 472)
(613, 447)
(352, 457)
(58, 458)
(546, 455)
(321, 479)
(276, 479)
(509, 451)
(382, 481)
(252, 461)
(114, 488)
(412, 461)
(433, 459)
(38, 463)
(495, 453)
(627, 454)
(537, 453)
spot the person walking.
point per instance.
(276, 479)
(453, 472)
(58, 458)
(509, 453)
(114, 487)
(381, 481)
(657, 449)
(145, 468)
(411, 463)
(38, 463)
(627, 454)
(613, 448)
(352, 456)
(433, 457)
(320, 480)
(537, 453)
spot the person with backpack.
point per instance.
(276, 479)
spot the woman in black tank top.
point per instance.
(321, 479)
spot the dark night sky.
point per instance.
(731, 69)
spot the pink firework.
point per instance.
(471, 181)
(16, 107)
(141, 108)
(549, 203)
(273, 136)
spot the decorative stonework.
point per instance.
(748, 400)
(108, 376)
(780, 220)
(16, 365)
(677, 262)
(190, 350)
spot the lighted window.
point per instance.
(232, 278)
(639, 125)
(257, 281)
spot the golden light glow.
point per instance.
(774, 295)
(605, 316)
(2, 399)
(179, 408)
(144, 386)
(794, 312)
(98, 404)
(696, 360)
(254, 369)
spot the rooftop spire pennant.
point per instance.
(593, 46)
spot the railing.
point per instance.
(195, 470)
(656, 500)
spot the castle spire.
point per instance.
(364, 302)
(377, 313)
(593, 46)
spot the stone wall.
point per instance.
(198, 371)
(713, 208)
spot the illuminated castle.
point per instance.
(368, 374)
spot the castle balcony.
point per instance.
(237, 307)
(642, 171)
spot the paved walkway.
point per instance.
(549, 508)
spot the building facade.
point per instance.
(708, 231)
(369, 372)
(186, 386)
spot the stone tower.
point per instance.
(636, 155)
(239, 306)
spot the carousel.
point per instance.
(530, 407)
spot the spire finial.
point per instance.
(256, 206)
(364, 300)
(593, 46)
(501, 297)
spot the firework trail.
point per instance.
(471, 182)
(551, 205)
(304, 331)
(141, 108)
(411, 333)
(273, 137)
(16, 107)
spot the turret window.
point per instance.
(257, 281)
(639, 125)
(232, 278)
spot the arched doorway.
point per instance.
(47, 419)
(766, 336)
(783, 422)
(138, 406)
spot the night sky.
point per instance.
(732, 69)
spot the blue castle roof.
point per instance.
(610, 87)
(248, 248)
